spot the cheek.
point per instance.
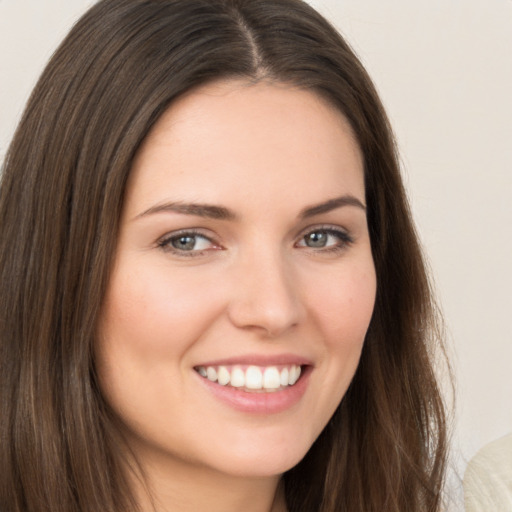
(341, 307)
(153, 312)
(150, 319)
(344, 305)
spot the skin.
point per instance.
(251, 284)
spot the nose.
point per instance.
(265, 297)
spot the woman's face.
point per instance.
(243, 256)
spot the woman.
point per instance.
(212, 292)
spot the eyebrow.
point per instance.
(222, 213)
(331, 204)
(199, 210)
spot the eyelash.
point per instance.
(343, 237)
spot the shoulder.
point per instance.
(488, 478)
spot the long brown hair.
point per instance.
(61, 195)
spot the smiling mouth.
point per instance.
(253, 379)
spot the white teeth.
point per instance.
(293, 375)
(253, 378)
(237, 378)
(284, 377)
(223, 376)
(271, 378)
(211, 373)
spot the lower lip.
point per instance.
(260, 402)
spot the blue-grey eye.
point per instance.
(325, 239)
(188, 242)
(184, 243)
(316, 239)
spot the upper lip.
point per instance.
(260, 360)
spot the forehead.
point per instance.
(231, 139)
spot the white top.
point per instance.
(488, 478)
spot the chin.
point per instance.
(266, 460)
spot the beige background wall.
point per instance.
(444, 70)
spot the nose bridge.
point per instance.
(265, 295)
